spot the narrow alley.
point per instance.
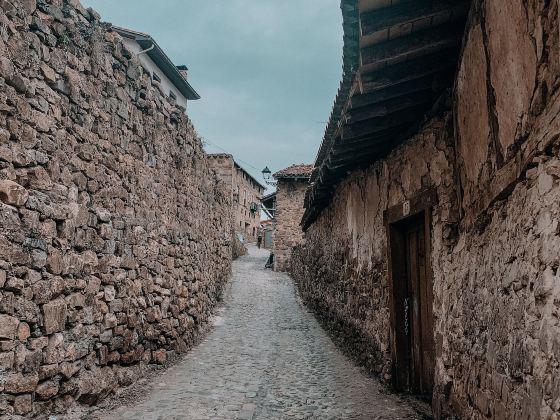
(266, 358)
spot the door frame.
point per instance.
(418, 207)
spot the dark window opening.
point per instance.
(156, 77)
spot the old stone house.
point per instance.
(171, 79)
(431, 220)
(115, 236)
(268, 206)
(245, 191)
(290, 193)
(267, 233)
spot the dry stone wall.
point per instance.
(495, 237)
(341, 268)
(500, 342)
(289, 211)
(114, 236)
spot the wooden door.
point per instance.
(412, 305)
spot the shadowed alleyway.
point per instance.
(266, 358)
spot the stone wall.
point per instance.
(244, 191)
(341, 268)
(238, 248)
(114, 236)
(494, 163)
(500, 342)
(290, 194)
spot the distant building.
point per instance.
(172, 79)
(269, 205)
(290, 196)
(267, 231)
(246, 193)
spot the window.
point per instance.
(156, 77)
(172, 95)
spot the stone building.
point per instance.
(290, 193)
(245, 192)
(267, 232)
(171, 79)
(115, 237)
(432, 215)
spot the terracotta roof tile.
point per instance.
(295, 171)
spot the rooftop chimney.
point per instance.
(184, 71)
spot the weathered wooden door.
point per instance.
(412, 305)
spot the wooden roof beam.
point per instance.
(417, 45)
(363, 162)
(391, 106)
(436, 64)
(406, 18)
(362, 154)
(430, 82)
(377, 125)
(384, 136)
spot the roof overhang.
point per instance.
(255, 180)
(400, 60)
(293, 178)
(161, 60)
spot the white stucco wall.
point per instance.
(151, 67)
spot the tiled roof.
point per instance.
(399, 66)
(295, 171)
(160, 58)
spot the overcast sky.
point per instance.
(267, 70)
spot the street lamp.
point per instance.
(266, 175)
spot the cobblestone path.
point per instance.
(267, 358)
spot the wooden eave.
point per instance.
(400, 58)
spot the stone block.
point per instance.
(7, 69)
(48, 371)
(8, 327)
(109, 293)
(12, 193)
(159, 356)
(38, 343)
(69, 369)
(14, 285)
(106, 336)
(49, 74)
(103, 215)
(23, 404)
(55, 351)
(46, 390)
(54, 316)
(6, 360)
(76, 300)
(19, 384)
(23, 332)
(29, 5)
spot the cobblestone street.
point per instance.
(266, 358)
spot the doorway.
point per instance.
(412, 304)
